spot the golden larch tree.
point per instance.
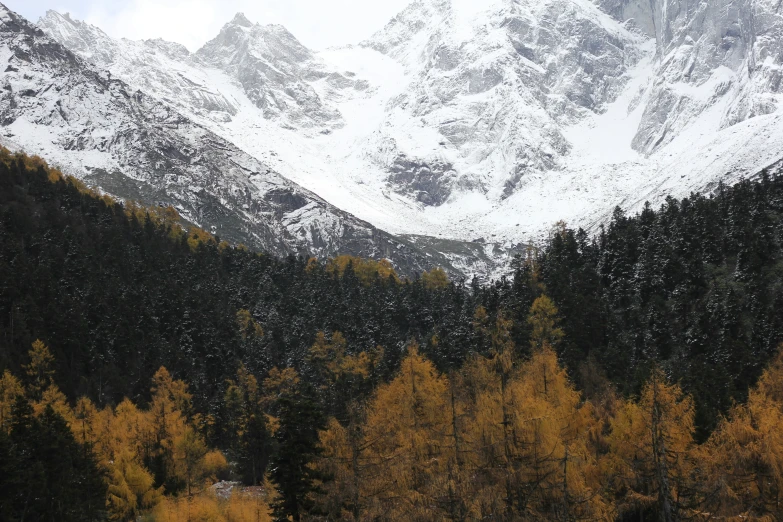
(10, 389)
(745, 454)
(651, 463)
(404, 443)
(39, 370)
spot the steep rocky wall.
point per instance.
(719, 56)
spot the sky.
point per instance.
(318, 24)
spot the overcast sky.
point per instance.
(316, 23)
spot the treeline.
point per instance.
(117, 291)
(121, 290)
(506, 437)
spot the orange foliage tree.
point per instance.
(744, 455)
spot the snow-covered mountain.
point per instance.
(135, 146)
(462, 120)
(524, 112)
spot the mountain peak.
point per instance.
(53, 16)
(241, 19)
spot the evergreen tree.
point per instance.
(51, 476)
(250, 437)
(297, 437)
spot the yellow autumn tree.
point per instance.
(39, 370)
(278, 383)
(745, 454)
(489, 434)
(194, 463)
(341, 376)
(10, 389)
(356, 458)
(435, 279)
(544, 321)
(652, 454)
(403, 444)
(366, 270)
(176, 443)
(248, 327)
(453, 487)
(527, 431)
(123, 439)
(198, 237)
(130, 488)
(84, 415)
(126, 427)
(170, 401)
(56, 399)
(329, 357)
(42, 390)
(343, 461)
(560, 475)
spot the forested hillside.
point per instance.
(124, 290)
(614, 377)
(696, 285)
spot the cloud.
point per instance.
(315, 23)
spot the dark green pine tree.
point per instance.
(12, 484)
(301, 418)
(45, 474)
(254, 449)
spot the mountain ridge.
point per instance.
(459, 121)
(133, 146)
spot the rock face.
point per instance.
(151, 63)
(500, 82)
(486, 93)
(273, 69)
(134, 146)
(497, 81)
(495, 119)
(722, 56)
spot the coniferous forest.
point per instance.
(151, 371)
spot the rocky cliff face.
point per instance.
(274, 70)
(497, 82)
(722, 56)
(134, 146)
